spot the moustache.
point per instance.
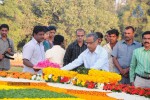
(126, 37)
(146, 42)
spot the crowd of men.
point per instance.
(126, 57)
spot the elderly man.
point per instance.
(122, 53)
(94, 57)
(140, 64)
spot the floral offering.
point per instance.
(57, 75)
(109, 77)
(128, 89)
(45, 64)
(23, 75)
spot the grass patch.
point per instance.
(16, 69)
(32, 93)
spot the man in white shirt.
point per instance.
(113, 36)
(33, 51)
(94, 57)
(56, 53)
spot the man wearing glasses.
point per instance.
(75, 48)
(94, 56)
(122, 53)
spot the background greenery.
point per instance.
(68, 15)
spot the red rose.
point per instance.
(91, 85)
(64, 79)
(136, 91)
(141, 92)
(147, 94)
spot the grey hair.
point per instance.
(94, 35)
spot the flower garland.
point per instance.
(109, 77)
(94, 79)
(128, 89)
(23, 75)
(88, 95)
(57, 75)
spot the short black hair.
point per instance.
(38, 29)
(51, 28)
(130, 27)
(99, 34)
(4, 26)
(108, 32)
(145, 33)
(114, 31)
(58, 39)
(45, 29)
(80, 29)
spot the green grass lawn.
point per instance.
(32, 93)
(16, 69)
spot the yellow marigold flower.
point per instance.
(55, 78)
(46, 77)
(83, 83)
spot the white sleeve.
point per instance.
(48, 54)
(77, 62)
(28, 51)
(102, 62)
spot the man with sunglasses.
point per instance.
(75, 48)
(94, 56)
(122, 53)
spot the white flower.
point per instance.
(100, 85)
(33, 77)
(50, 76)
(38, 78)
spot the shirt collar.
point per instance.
(57, 46)
(124, 42)
(35, 41)
(76, 43)
(96, 50)
(143, 48)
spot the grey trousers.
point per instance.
(141, 82)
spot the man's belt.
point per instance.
(142, 76)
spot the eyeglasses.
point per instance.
(90, 42)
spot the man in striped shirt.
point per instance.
(75, 48)
(140, 64)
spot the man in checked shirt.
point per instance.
(75, 48)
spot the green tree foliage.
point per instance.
(137, 14)
(66, 15)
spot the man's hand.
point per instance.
(1, 56)
(36, 70)
(132, 83)
(9, 50)
(124, 71)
